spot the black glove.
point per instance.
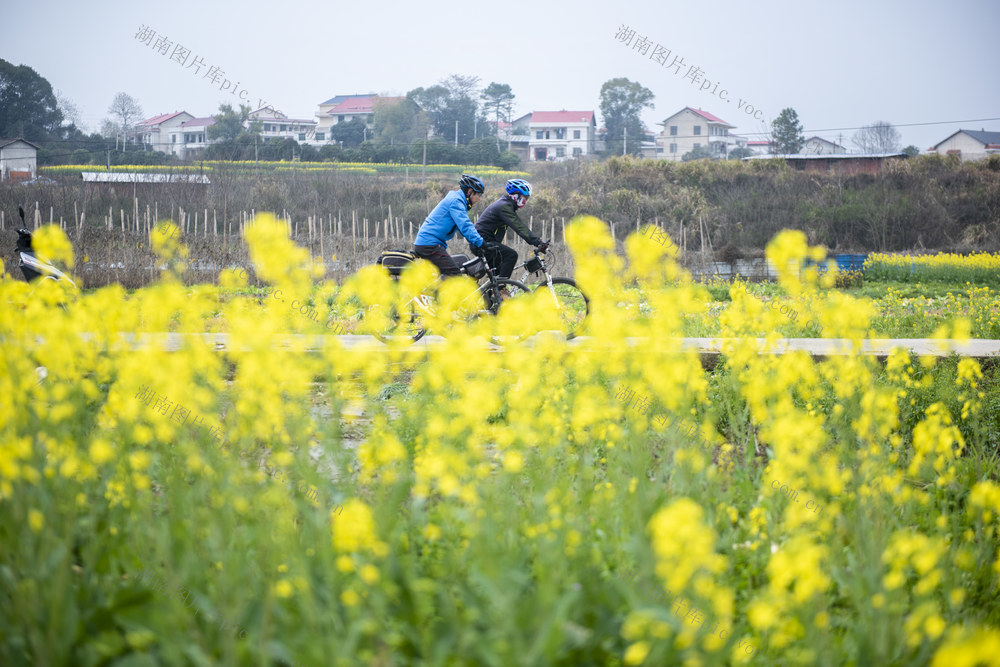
(542, 245)
(478, 250)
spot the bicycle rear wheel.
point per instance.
(571, 304)
(494, 304)
(401, 323)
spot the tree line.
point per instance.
(455, 121)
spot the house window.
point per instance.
(340, 119)
(577, 150)
(546, 134)
(560, 151)
(173, 138)
(559, 133)
(320, 136)
(302, 136)
(201, 138)
(576, 134)
(673, 130)
(283, 129)
(697, 130)
(673, 148)
(538, 134)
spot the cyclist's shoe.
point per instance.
(503, 294)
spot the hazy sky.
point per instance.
(839, 65)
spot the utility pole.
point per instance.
(456, 132)
(625, 141)
(109, 159)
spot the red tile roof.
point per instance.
(359, 104)
(758, 143)
(562, 116)
(162, 118)
(199, 122)
(710, 117)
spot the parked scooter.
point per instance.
(32, 267)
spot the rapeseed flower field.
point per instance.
(463, 504)
(948, 267)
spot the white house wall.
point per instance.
(18, 157)
(585, 143)
(971, 149)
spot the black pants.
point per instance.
(502, 260)
(439, 257)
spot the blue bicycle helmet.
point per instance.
(473, 183)
(519, 186)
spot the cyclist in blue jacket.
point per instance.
(450, 215)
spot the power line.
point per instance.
(936, 122)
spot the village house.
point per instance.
(558, 135)
(344, 109)
(277, 126)
(969, 144)
(837, 163)
(821, 146)
(689, 129)
(163, 132)
(18, 160)
(194, 137)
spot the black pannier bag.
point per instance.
(475, 267)
(394, 261)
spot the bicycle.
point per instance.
(407, 321)
(571, 303)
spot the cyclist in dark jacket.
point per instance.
(498, 216)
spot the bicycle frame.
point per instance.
(540, 255)
(425, 302)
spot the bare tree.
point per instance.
(109, 128)
(125, 111)
(461, 86)
(879, 137)
(71, 112)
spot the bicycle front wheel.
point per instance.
(571, 304)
